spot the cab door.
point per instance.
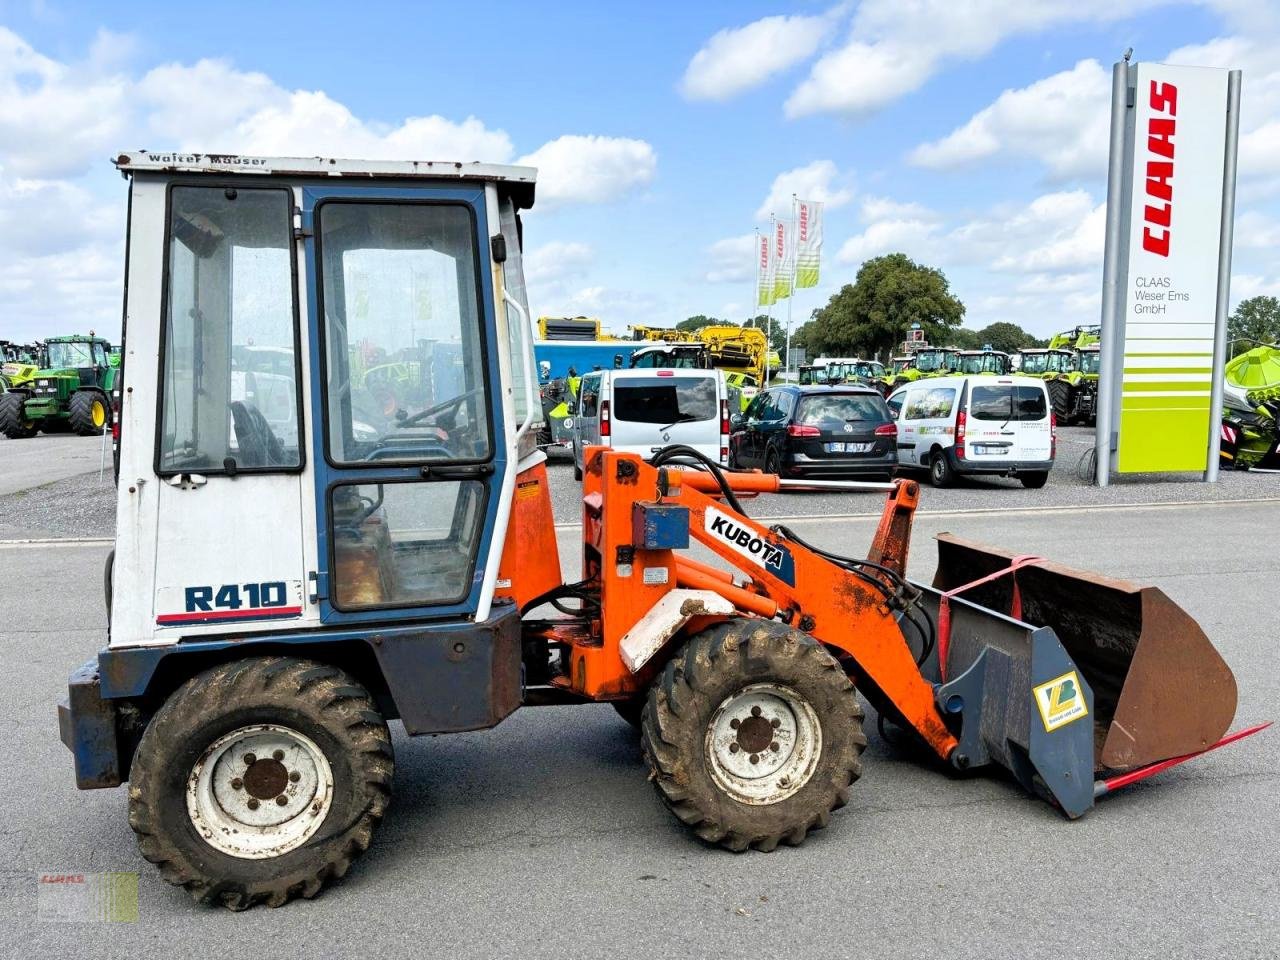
(408, 420)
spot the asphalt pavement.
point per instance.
(541, 837)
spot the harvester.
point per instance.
(275, 601)
(1250, 437)
(72, 393)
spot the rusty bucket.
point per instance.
(1159, 688)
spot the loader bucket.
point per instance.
(1159, 688)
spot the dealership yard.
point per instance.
(541, 838)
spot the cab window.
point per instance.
(930, 403)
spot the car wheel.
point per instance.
(940, 472)
(772, 461)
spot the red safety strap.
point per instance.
(944, 606)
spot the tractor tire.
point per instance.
(207, 810)
(88, 413)
(940, 473)
(1060, 398)
(13, 419)
(743, 692)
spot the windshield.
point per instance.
(70, 355)
(841, 408)
(1059, 362)
(664, 400)
(982, 363)
(667, 359)
(1004, 403)
(927, 361)
(1090, 361)
(900, 365)
(1035, 362)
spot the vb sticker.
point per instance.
(1060, 701)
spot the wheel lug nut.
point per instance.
(278, 755)
(755, 711)
(775, 723)
(774, 746)
(253, 803)
(282, 800)
(295, 777)
(734, 748)
(237, 783)
(249, 759)
(755, 758)
(735, 723)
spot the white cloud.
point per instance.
(1063, 120)
(894, 47)
(732, 260)
(817, 181)
(738, 59)
(557, 260)
(590, 169)
(915, 237)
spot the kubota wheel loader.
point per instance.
(277, 597)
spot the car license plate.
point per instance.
(989, 449)
(847, 447)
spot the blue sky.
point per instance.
(970, 134)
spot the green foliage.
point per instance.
(1257, 318)
(696, 323)
(871, 316)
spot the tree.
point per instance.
(1005, 336)
(695, 323)
(1257, 318)
(871, 316)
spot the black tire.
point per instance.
(316, 700)
(88, 413)
(1034, 481)
(13, 420)
(772, 461)
(940, 472)
(577, 470)
(1060, 397)
(685, 702)
(630, 710)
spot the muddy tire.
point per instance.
(87, 413)
(261, 780)
(753, 689)
(1060, 398)
(13, 419)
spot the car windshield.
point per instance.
(841, 408)
(664, 400)
(1004, 403)
(78, 354)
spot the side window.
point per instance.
(894, 404)
(230, 303)
(754, 407)
(519, 334)
(769, 406)
(930, 403)
(786, 404)
(590, 391)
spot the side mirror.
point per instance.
(737, 421)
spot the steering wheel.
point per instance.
(437, 408)
(259, 446)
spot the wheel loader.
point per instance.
(276, 599)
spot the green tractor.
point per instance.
(71, 392)
(18, 362)
(1074, 391)
(985, 360)
(923, 363)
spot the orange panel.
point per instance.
(530, 559)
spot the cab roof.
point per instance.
(174, 161)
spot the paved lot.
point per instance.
(46, 458)
(541, 838)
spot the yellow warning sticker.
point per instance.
(1060, 701)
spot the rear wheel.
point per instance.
(259, 781)
(14, 422)
(88, 413)
(940, 472)
(772, 461)
(1060, 397)
(1034, 481)
(753, 734)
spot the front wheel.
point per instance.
(753, 735)
(14, 422)
(87, 413)
(259, 781)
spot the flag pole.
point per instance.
(768, 317)
(791, 299)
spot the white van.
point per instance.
(978, 424)
(642, 411)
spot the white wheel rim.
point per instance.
(259, 791)
(763, 743)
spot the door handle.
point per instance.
(470, 472)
